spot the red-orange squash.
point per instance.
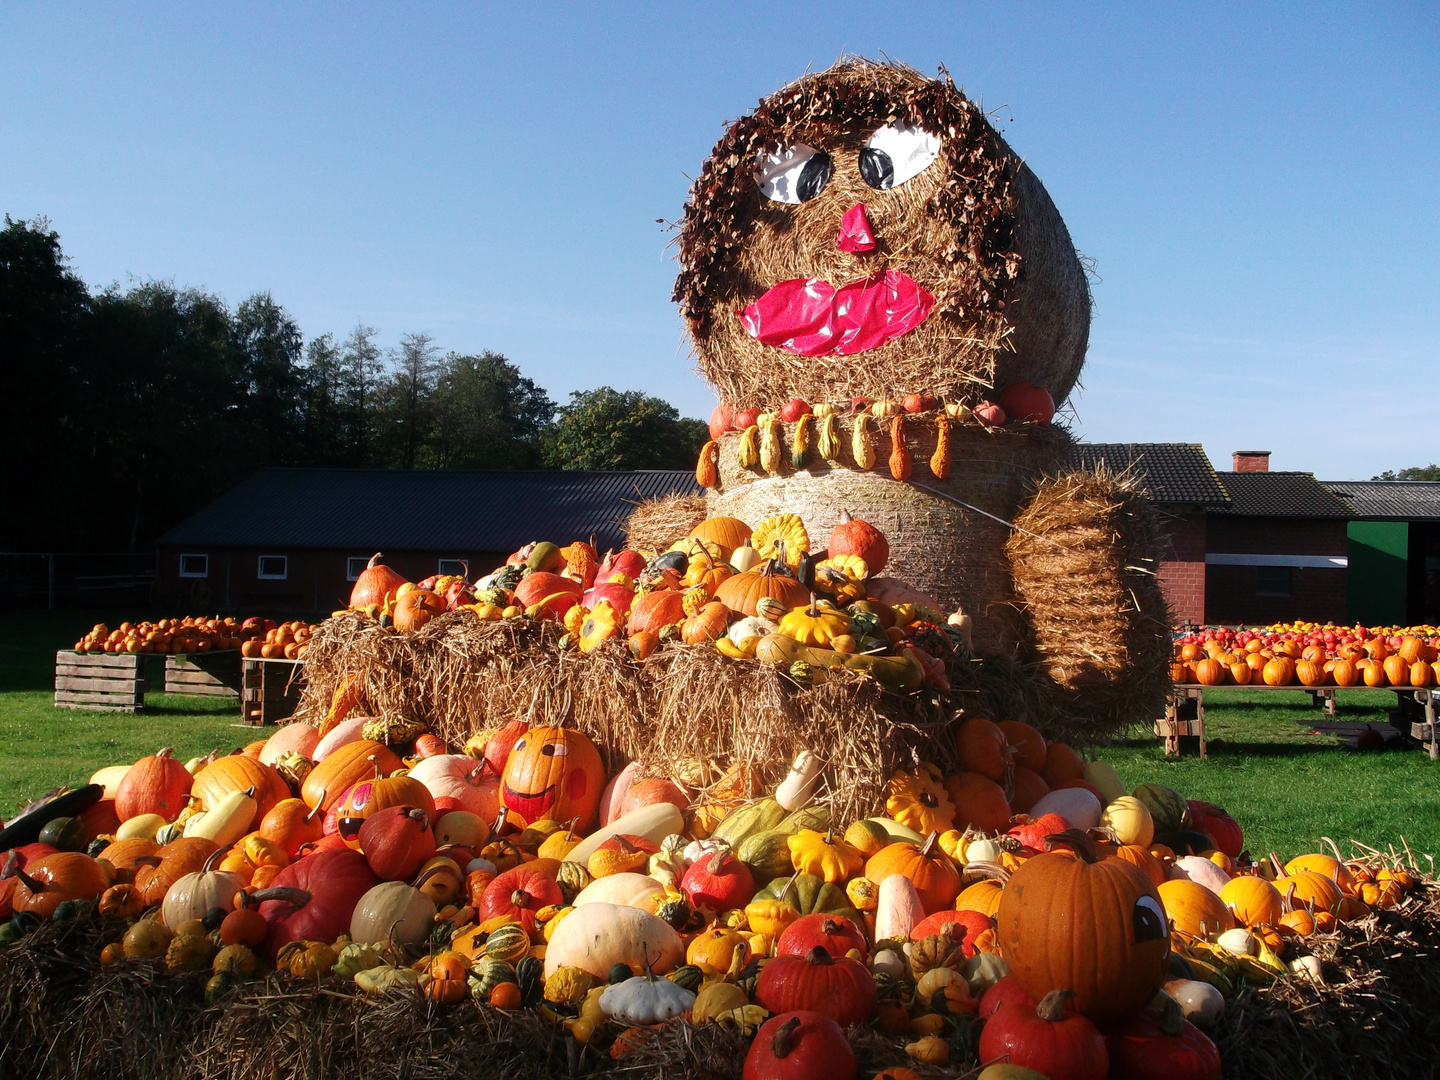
(156, 784)
(344, 767)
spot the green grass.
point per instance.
(1286, 785)
(42, 747)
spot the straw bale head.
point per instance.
(866, 231)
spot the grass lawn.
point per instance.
(1285, 784)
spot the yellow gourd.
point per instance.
(770, 449)
(862, 443)
(748, 454)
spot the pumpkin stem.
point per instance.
(371, 564)
(820, 955)
(927, 849)
(1075, 840)
(788, 885)
(316, 808)
(29, 882)
(165, 753)
(830, 927)
(376, 763)
(715, 861)
(500, 816)
(1052, 1005)
(830, 834)
(215, 856)
(1275, 862)
(783, 1040)
(520, 898)
(1172, 1020)
(11, 865)
(298, 897)
(419, 815)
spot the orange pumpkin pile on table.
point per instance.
(1309, 655)
(255, 637)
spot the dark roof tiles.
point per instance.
(1411, 500)
(1171, 473)
(424, 509)
(1280, 494)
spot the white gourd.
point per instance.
(795, 790)
(645, 1000)
(653, 822)
(392, 908)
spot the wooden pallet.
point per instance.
(109, 682)
(269, 690)
(214, 674)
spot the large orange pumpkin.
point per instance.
(375, 585)
(344, 767)
(728, 533)
(156, 784)
(742, 592)
(929, 869)
(1279, 671)
(981, 748)
(1094, 927)
(656, 610)
(1344, 672)
(236, 772)
(1311, 672)
(555, 773)
(1209, 672)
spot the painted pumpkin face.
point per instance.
(554, 773)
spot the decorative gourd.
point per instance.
(1120, 960)
(719, 948)
(1200, 1003)
(714, 1000)
(1046, 1038)
(918, 801)
(1194, 909)
(392, 910)
(1130, 819)
(236, 772)
(157, 784)
(928, 869)
(794, 791)
(645, 999)
(840, 988)
(800, 1046)
(554, 772)
(940, 459)
(862, 443)
(227, 820)
(823, 855)
(707, 467)
(598, 936)
(1168, 808)
(902, 463)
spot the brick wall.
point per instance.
(1182, 567)
(1316, 595)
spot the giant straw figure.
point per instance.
(866, 233)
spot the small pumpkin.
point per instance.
(919, 801)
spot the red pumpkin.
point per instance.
(1032, 832)
(499, 745)
(396, 842)
(157, 784)
(1032, 404)
(313, 898)
(720, 420)
(554, 772)
(1007, 991)
(718, 882)
(619, 596)
(457, 782)
(800, 1046)
(1162, 1046)
(1220, 826)
(627, 562)
(836, 934)
(1029, 788)
(842, 989)
(50, 880)
(981, 748)
(1062, 763)
(98, 819)
(656, 610)
(653, 790)
(1061, 1045)
(855, 537)
(519, 892)
(375, 585)
(536, 587)
(974, 923)
(980, 803)
(428, 745)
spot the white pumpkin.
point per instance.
(196, 893)
(750, 626)
(645, 1000)
(392, 908)
(347, 731)
(1199, 1002)
(626, 890)
(1201, 871)
(463, 779)
(596, 937)
(612, 796)
(1080, 808)
(897, 908)
(982, 850)
(1239, 941)
(984, 970)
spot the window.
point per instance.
(1272, 581)
(273, 568)
(355, 566)
(453, 567)
(194, 565)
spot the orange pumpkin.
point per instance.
(344, 767)
(375, 794)
(654, 611)
(416, 608)
(50, 880)
(707, 624)
(980, 744)
(291, 823)
(1062, 763)
(1279, 671)
(1311, 673)
(1241, 673)
(1140, 857)
(1209, 672)
(929, 869)
(1117, 962)
(742, 592)
(176, 859)
(236, 772)
(1030, 745)
(554, 773)
(727, 533)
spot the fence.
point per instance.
(64, 579)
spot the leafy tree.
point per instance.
(487, 415)
(361, 375)
(1415, 472)
(411, 388)
(322, 386)
(271, 344)
(609, 429)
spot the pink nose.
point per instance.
(855, 232)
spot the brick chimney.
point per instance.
(1251, 460)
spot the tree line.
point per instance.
(132, 408)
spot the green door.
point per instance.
(1377, 579)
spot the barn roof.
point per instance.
(1411, 500)
(424, 509)
(1171, 473)
(1281, 494)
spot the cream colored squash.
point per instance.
(596, 937)
(392, 908)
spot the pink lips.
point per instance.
(813, 318)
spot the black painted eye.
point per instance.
(895, 154)
(1149, 920)
(794, 175)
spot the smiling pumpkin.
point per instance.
(554, 773)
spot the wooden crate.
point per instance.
(269, 690)
(215, 674)
(113, 682)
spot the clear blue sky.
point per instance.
(1257, 183)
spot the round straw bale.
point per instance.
(975, 228)
(657, 523)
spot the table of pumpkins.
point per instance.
(1023, 912)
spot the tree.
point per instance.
(271, 344)
(411, 387)
(609, 429)
(486, 415)
(321, 402)
(1415, 472)
(360, 373)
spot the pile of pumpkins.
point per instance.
(1222, 657)
(198, 634)
(759, 594)
(1094, 931)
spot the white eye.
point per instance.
(794, 175)
(896, 153)
(555, 749)
(519, 745)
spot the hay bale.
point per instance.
(938, 545)
(1083, 553)
(976, 229)
(655, 524)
